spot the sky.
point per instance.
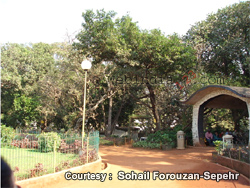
(49, 21)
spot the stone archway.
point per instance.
(217, 97)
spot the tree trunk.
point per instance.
(104, 116)
(109, 128)
(117, 116)
(154, 106)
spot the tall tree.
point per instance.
(134, 51)
(223, 42)
(21, 68)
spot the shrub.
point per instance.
(145, 144)
(218, 145)
(160, 137)
(7, 134)
(46, 141)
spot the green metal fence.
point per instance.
(32, 155)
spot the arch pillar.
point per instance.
(197, 125)
(195, 134)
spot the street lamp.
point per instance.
(86, 65)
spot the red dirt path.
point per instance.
(190, 160)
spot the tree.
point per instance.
(99, 40)
(222, 43)
(134, 51)
(44, 83)
(21, 68)
(25, 111)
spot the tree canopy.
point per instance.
(134, 51)
(222, 43)
(134, 71)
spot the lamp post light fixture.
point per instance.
(86, 65)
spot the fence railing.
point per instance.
(238, 151)
(32, 155)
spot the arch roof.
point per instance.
(194, 98)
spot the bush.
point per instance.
(7, 134)
(46, 141)
(145, 144)
(160, 137)
(218, 145)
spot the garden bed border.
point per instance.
(55, 178)
(239, 166)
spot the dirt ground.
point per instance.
(127, 159)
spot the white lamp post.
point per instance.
(86, 65)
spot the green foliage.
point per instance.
(145, 144)
(27, 159)
(162, 137)
(46, 141)
(218, 145)
(25, 109)
(22, 66)
(159, 137)
(7, 134)
(244, 123)
(166, 136)
(222, 43)
(134, 52)
(219, 119)
(47, 78)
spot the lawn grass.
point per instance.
(27, 159)
(23, 161)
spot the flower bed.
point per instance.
(25, 143)
(63, 148)
(241, 154)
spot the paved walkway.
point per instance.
(127, 159)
